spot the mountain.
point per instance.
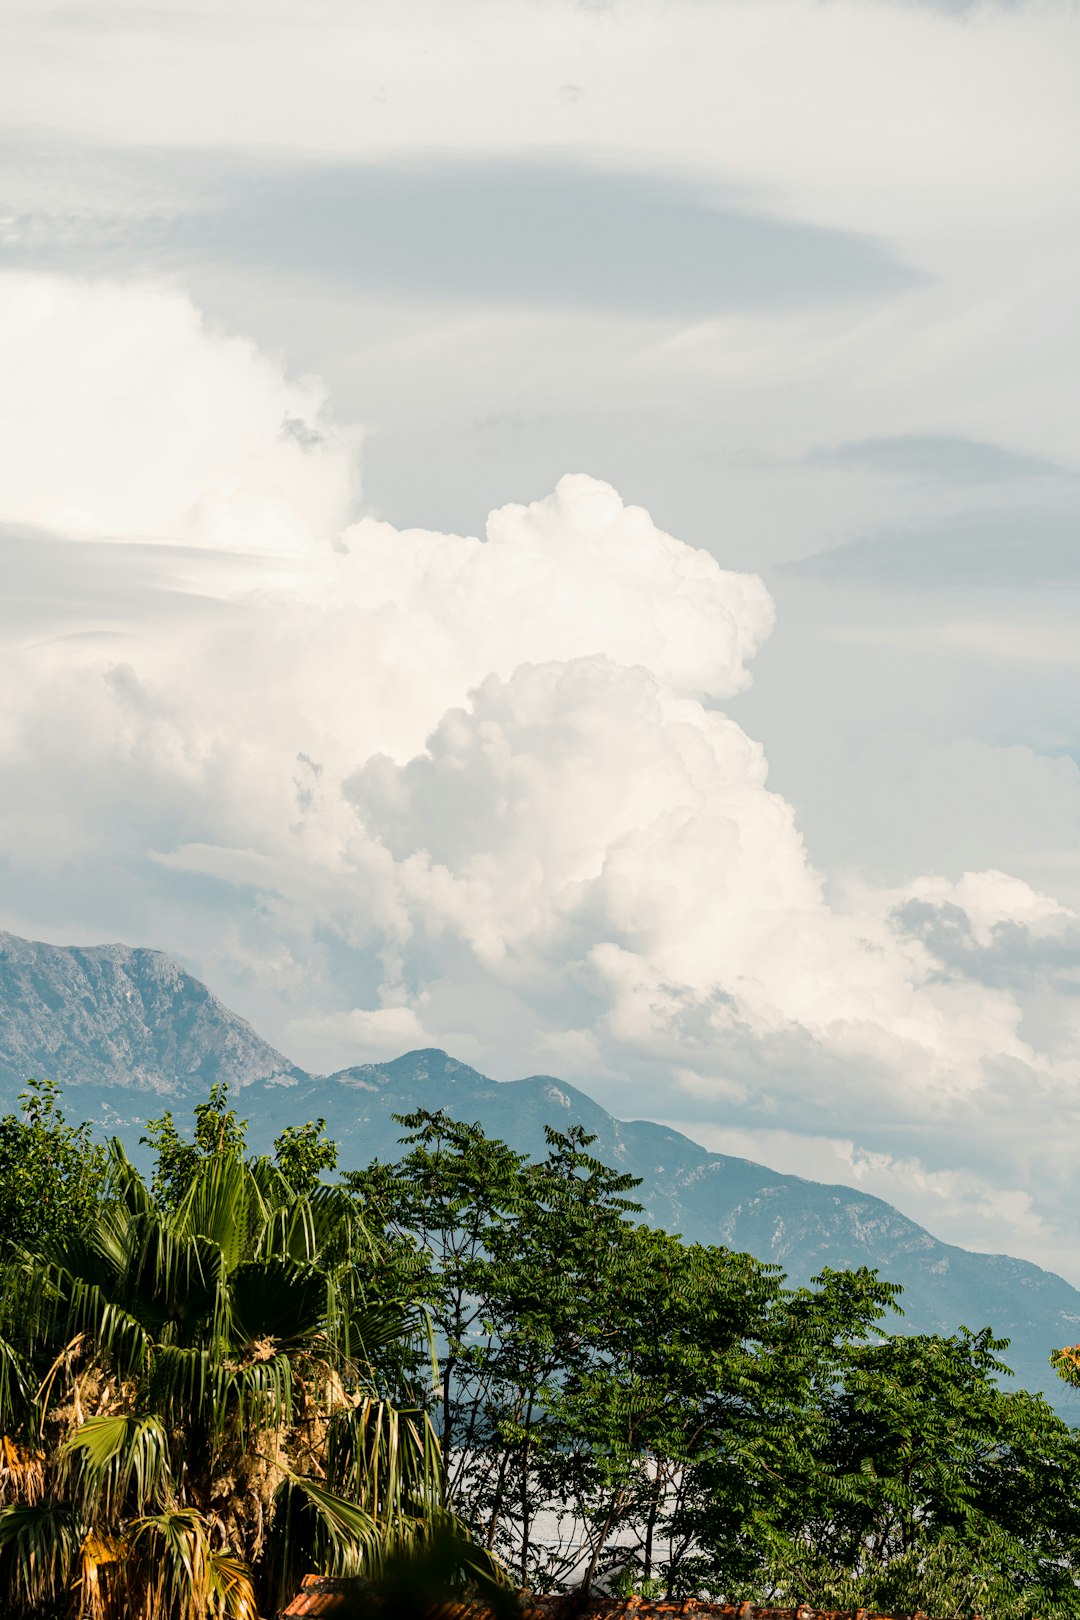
(708, 1197)
(110, 1016)
(128, 1031)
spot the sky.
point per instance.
(552, 530)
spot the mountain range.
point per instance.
(128, 1032)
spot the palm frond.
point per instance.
(15, 1401)
(173, 1573)
(359, 1328)
(290, 1231)
(255, 1397)
(229, 1583)
(97, 1254)
(313, 1528)
(429, 1577)
(277, 1298)
(183, 1384)
(274, 1190)
(171, 1276)
(385, 1459)
(115, 1332)
(125, 1182)
(323, 1225)
(112, 1461)
(39, 1546)
(316, 1528)
(224, 1206)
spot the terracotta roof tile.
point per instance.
(318, 1596)
(321, 1596)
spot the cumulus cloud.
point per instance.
(580, 821)
(477, 792)
(122, 417)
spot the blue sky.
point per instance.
(731, 769)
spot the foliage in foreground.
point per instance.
(702, 1428)
(192, 1400)
(52, 1173)
(211, 1386)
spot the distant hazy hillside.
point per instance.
(107, 1015)
(121, 1024)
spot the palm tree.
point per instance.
(195, 1413)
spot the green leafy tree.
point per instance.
(549, 1285)
(52, 1173)
(438, 1212)
(929, 1487)
(735, 1500)
(303, 1153)
(577, 1345)
(691, 1425)
(194, 1398)
(178, 1158)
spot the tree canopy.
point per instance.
(51, 1172)
(619, 1405)
(195, 1395)
(213, 1383)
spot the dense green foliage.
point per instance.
(193, 1395)
(691, 1425)
(302, 1152)
(212, 1384)
(51, 1173)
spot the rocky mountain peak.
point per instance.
(121, 1015)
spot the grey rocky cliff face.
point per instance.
(114, 1015)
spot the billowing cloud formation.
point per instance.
(121, 417)
(474, 792)
(581, 822)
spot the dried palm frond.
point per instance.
(23, 1472)
(100, 1581)
(172, 1570)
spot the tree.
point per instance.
(899, 1477)
(194, 1398)
(692, 1425)
(577, 1346)
(178, 1159)
(51, 1173)
(303, 1152)
(437, 1212)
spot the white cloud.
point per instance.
(580, 822)
(383, 1032)
(989, 899)
(123, 418)
(478, 792)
